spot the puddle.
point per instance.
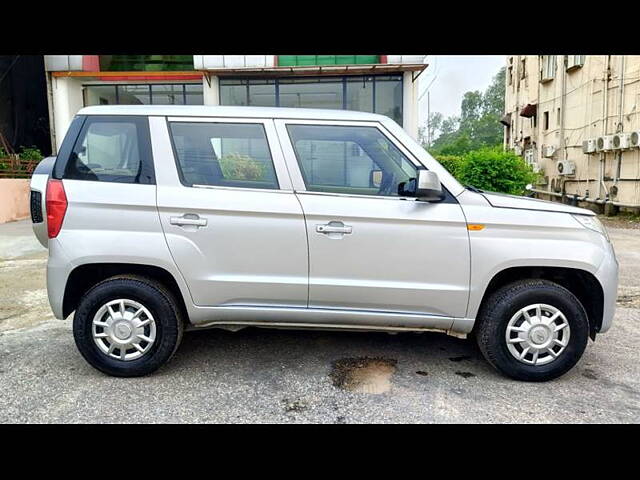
(364, 374)
(460, 358)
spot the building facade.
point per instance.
(575, 119)
(385, 84)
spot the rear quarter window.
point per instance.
(223, 154)
(111, 149)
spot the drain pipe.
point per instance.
(620, 127)
(605, 115)
(585, 199)
(563, 103)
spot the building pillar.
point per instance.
(410, 105)
(66, 100)
(211, 90)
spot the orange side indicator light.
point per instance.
(475, 226)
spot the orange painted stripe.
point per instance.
(151, 77)
(195, 74)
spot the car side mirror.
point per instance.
(426, 187)
(375, 178)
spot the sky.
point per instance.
(449, 77)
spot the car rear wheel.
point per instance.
(533, 330)
(127, 326)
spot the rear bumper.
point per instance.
(59, 267)
(607, 275)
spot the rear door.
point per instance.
(233, 225)
(370, 249)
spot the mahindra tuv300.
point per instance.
(160, 219)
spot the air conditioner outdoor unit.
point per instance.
(634, 139)
(566, 167)
(528, 156)
(575, 61)
(621, 141)
(589, 146)
(530, 159)
(605, 143)
(548, 151)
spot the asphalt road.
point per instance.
(277, 376)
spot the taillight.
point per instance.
(56, 207)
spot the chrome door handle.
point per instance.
(334, 227)
(188, 219)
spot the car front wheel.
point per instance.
(533, 330)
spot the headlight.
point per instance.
(592, 223)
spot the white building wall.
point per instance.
(410, 105)
(211, 90)
(213, 62)
(62, 63)
(66, 93)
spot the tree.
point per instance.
(494, 95)
(433, 128)
(471, 110)
(478, 125)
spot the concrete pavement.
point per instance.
(269, 376)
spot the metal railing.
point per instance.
(14, 167)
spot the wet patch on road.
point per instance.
(460, 358)
(466, 374)
(294, 405)
(629, 300)
(363, 375)
(422, 372)
(590, 374)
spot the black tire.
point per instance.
(160, 303)
(503, 304)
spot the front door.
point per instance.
(232, 223)
(370, 249)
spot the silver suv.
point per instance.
(160, 219)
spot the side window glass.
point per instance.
(223, 154)
(110, 150)
(352, 160)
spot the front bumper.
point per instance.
(607, 275)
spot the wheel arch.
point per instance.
(583, 284)
(85, 276)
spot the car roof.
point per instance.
(225, 111)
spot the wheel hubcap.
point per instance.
(124, 329)
(537, 334)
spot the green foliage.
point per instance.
(241, 167)
(453, 163)
(495, 170)
(30, 153)
(458, 145)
